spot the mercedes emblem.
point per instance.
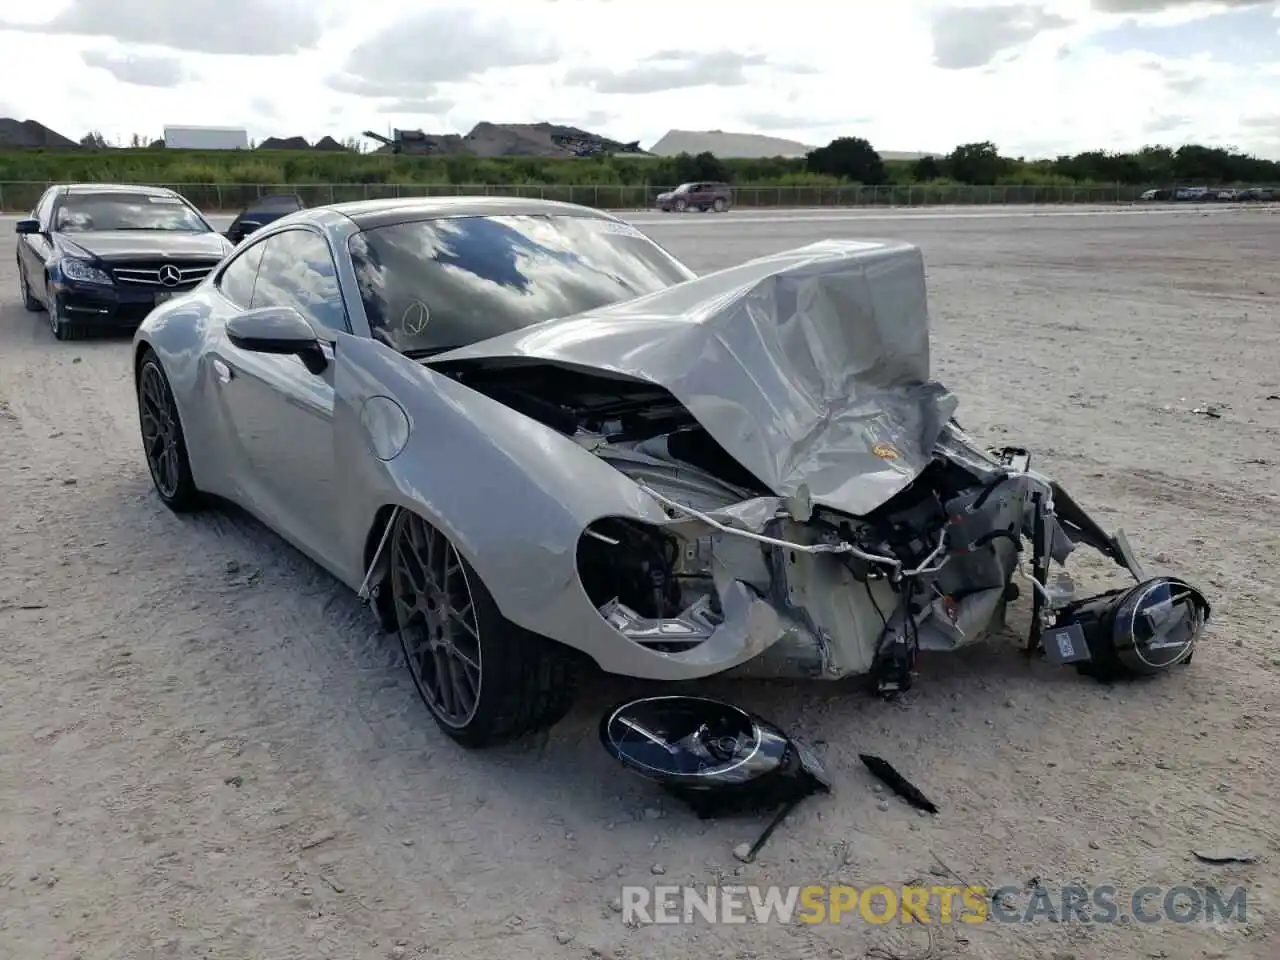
(170, 275)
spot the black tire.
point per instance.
(518, 682)
(164, 445)
(680, 206)
(719, 206)
(64, 329)
(28, 301)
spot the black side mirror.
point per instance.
(28, 225)
(240, 229)
(278, 330)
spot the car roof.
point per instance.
(368, 214)
(86, 188)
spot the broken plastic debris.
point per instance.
(898, 783)
(1218, 855)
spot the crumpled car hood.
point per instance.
(809, 367)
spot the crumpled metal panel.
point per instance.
(810, 367)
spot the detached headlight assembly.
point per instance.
(81, 272)
(1143, 630)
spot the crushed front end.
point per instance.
(825, 516)
(826, 595)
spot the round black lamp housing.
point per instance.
(1139, 631)
(716, 757)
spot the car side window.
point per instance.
(44, 209)
(237, 278)
(298, 271)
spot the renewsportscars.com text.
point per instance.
(940, 904)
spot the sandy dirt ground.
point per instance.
(207, 749)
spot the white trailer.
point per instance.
(206, 138)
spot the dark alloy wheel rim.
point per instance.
(159, 430)
(436, 616)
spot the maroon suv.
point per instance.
(701, 195)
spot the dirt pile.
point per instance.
(31, 133)
(284, 143)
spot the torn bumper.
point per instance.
(804, 595)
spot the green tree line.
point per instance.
(847, 160)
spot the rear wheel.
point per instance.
(719, 206)
(28, 301)
(485, 680)
(163, 441)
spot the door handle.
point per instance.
(221, 371)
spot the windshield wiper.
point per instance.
(423, 353)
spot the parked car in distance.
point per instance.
(1256, 194)
(98, 255)
(701, 195)
(261, 212)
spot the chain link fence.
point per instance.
(21, 196)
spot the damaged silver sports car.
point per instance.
(534, 441)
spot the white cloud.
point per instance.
(263, 27)
(138, 69)
(908, 75)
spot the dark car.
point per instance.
(1255, 194)
(101, 256)
(261, 212)
(701, 195)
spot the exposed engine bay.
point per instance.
(823, 593)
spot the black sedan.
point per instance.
(103, 255)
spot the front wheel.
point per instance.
(163, 441)
(62, 327)
(485, 680)
(680, 206)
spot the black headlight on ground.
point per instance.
(1140, 631)
(714, 756)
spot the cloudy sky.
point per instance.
(1037, 78)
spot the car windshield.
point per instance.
(126, 211)
(684, 188)
(434, 285)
